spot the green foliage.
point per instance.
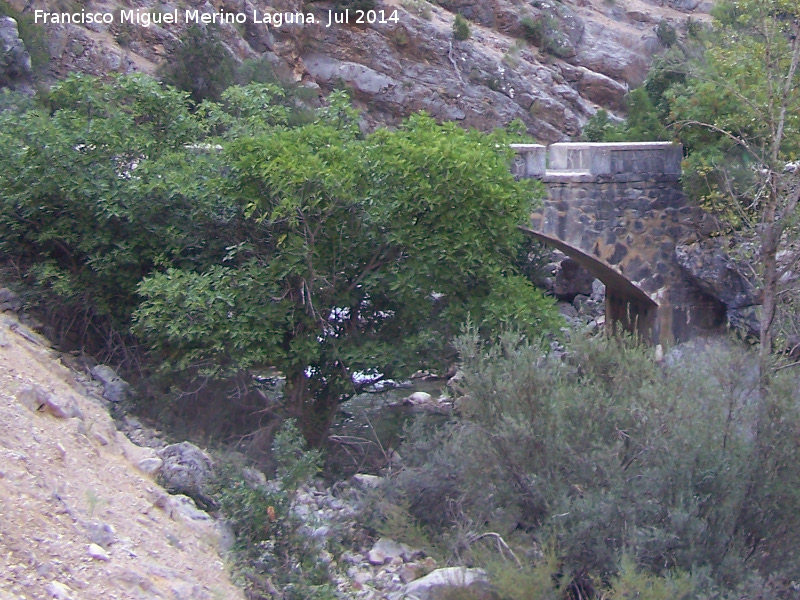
(314, 249)
(642, 124)
(461, 29)
(740, 114)
(734, 89)
(200, 65)
(598, 128)
(364, 252)
(98, 191)
(269, 545)
(694, 28)
(545, 31)
(534, 30)
(666, 34)
(633, 474)
(536, 582)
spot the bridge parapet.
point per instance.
(617, 161)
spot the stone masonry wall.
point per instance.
(619, 210)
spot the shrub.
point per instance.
(609, 455)
(461, 29)
(666, 34)
(269, 545)
(201, 65)
(694, 28)
(533, 30)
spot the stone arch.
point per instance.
(627, 306)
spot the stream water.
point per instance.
(370, 426)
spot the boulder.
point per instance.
(419, 398)
(9, 300)
(187, 470)
(716, 274)
(598, 88)
(62, 407)
(610, 53)
(366, 481)
(428, 587)
(707, 265)
(115, 389)
(38, 399)
(385, 550)
(571, 279)
(15, 62)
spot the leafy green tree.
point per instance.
(337, 258)
(642, 124)
(99, 189)
(367, 256)
(739, 113)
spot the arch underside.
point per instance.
(627, 306)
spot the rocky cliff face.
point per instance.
(547, 63)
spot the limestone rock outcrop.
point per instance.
(547, 64)
(15, 61)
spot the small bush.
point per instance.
(201, 65)
(533, 30)
(666, 34)
(270, 550)
(461, 29)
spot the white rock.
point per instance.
(419, 398)
(58, 590)
(450, 576)
(97, 553)
(150, 465)
(102, 534)
(386, 550)
(185, 507)
(365, 481)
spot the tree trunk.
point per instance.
(770, 238)
(313, 408)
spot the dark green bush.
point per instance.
(269, 546)
(607, 455)
(666, 34)
(534, 30)
(461, 29)
(201, 65)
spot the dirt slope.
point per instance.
(77, 519)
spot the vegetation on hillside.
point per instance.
(609, 475)
(226, 241)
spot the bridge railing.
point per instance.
(619, 160)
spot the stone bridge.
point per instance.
(618, 210)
